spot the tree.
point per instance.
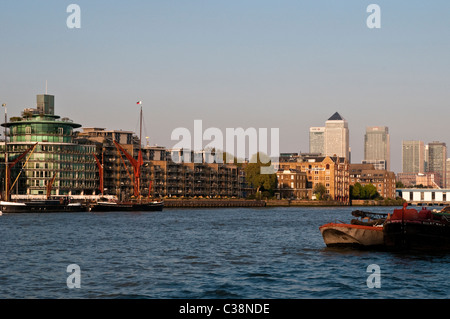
(355, 191)
(369, 192)
(262, 182)
(399, 184)
(320, 190)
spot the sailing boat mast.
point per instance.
(6, 157)
(140, 130)
(140, 151)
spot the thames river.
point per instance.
(237, 253)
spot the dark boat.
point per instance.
(127, 207)
(41, 206)
(409, 229)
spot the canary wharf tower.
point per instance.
(55, 156)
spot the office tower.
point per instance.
(337, 137)
(437, 157)
(376, 147)
(317, 140)
(413, 157)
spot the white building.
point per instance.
(337, 137)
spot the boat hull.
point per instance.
(417, 235)
(127, 207)
(45, 206)
(352, 235)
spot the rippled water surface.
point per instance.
(259, 253)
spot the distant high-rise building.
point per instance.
(413, 158)
(376, 147)
(337, 137)
(436, 161)
(317, 140)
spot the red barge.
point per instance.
(409, 229)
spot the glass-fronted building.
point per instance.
(55, 155)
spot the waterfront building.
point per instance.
(173, 173)
(205, 180)
(413, 157)
(57, 156)
(317, 140)
(377, 147)
(331, 171)
(117, 169)
(365, 174)
(437, 160)
(291, 184)
(336, 135)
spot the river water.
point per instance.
(238, 253)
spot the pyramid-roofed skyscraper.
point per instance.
(336, 117)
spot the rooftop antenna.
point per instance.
(45, 86)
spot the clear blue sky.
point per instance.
(246, 63)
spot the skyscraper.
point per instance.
(317, 140)
(376, 147)
(337, 137)
(437, 157)
(413, 158)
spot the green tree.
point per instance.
(399, 184)
(320, 190)
(369, 191)
(355, 191)
(262, 182)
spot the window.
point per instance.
(28, 130)
(60, 131)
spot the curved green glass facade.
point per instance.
(55, 154)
